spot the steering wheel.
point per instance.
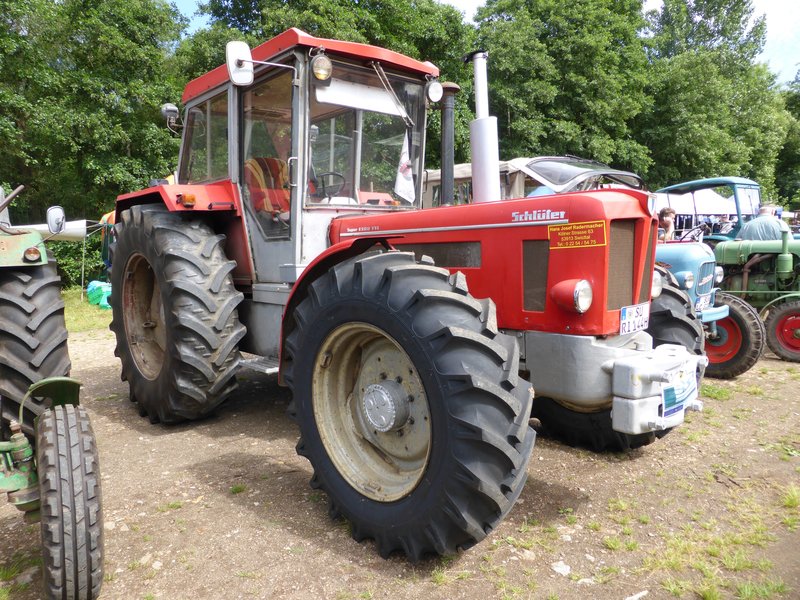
(695, 233)
(332, 188)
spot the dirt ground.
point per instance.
(222, 508)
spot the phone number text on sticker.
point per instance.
(634, 318)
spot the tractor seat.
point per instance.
(267, 180)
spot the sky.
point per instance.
(781, 52)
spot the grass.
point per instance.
(750, 590)
(82, 316)
(715, 392)
(791, 497)
(175, 505)
(238, 488)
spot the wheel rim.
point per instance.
(371, 411)
(143, 315)
(727, 343)
(787, 331)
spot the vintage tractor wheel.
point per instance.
(174, 314)
(409, 403)
(783, 331)
(71, 512)
(739, 342)
(33, 338)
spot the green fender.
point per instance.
(60, 390)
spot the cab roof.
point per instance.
(699, 184)
(295, 37)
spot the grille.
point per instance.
(706, 272)
(535, 259)
(647, 276)
(456, 254)
(621, 252)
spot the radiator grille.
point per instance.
(535, 258)
(706, 273)
(620, 264)
(647, 276)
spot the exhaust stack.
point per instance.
(483, 140)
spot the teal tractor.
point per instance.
(48, 455)
(734, 333)
(762, 273)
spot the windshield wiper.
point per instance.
(388, 87)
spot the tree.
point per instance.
(80, 88)
(714, 110)
(787, 176)
(567, 78)
(726, 25)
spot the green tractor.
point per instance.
(767, 275)
(48, 455)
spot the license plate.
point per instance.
(703, 302)
(681, 389)
(634, 318)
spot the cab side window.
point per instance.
(206, 157)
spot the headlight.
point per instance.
(685, 279)
(322, 67)
(657, 285)
(582, 296)
(573, 294)
(32, 254)
(719, 274)
(434, 90)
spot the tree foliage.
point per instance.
(715, 111)
(567, 78)
(81, 83)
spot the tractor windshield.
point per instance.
(366, 142)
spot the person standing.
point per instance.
(766, 226)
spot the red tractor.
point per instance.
(294, 234)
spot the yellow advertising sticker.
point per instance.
(577, 235)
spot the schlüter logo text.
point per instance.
(537, 215)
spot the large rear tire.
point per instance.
(783, 331)
(33, 338)
(410, 407)
(739, 342)
(174, 314)
(71, 511)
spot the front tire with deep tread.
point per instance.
(412, 328)
(174, 314)
(33, 338)
(739, 342)
(71, 510)
(673, 321)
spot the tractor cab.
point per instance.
(306, 130)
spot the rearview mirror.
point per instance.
(239, 61)
(56, 219)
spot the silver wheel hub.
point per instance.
(386, 406)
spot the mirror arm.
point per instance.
(295, 78)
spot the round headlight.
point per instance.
(719, 274)
(322, 67)
(651, 204)
(657, 285)
(688, 281)
(32, 254)
(434, 90)
(582, 296)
